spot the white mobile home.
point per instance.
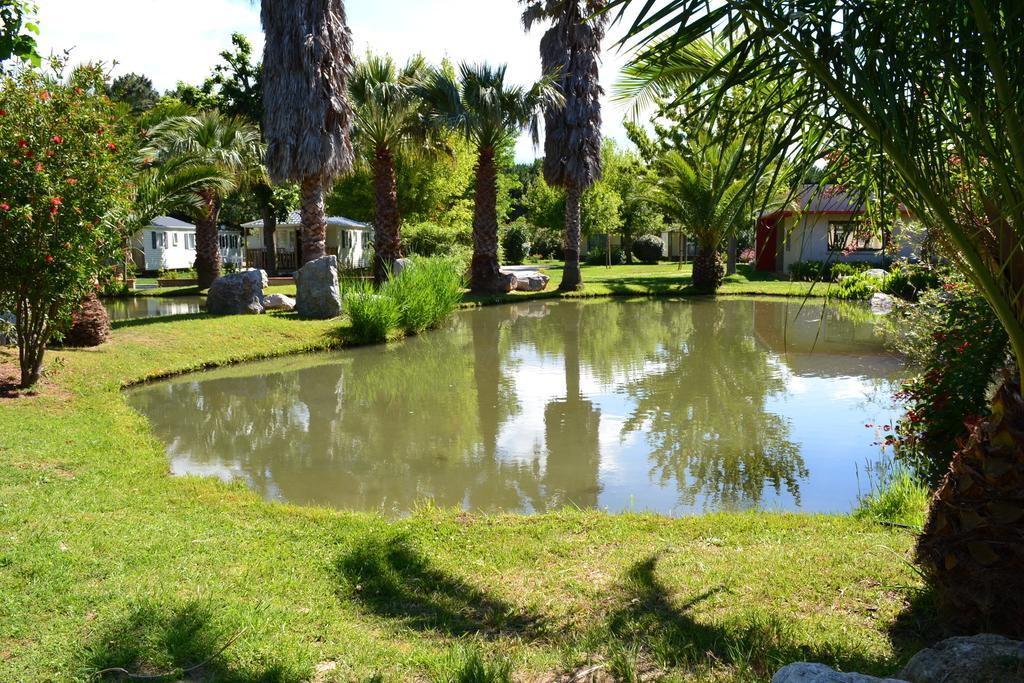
(828, 227)
(169, 244)
(349, 240)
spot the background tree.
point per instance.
(307, 59)
(932, 92)
(135, 90)
(18, 32)
(229, 144)
(389, 117)
(489, 113)
(570, 52)
(63, 190)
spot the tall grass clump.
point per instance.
(896, 495)
(426, 293)
(374, 315)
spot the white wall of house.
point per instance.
(807, 238)
(174, 248)
(352, 247)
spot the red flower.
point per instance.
(55, 206)
(886, 428)
(58, 139)
(3, 112)
(44, 96)
(111, 146)
(39, 167)
(72, 181)
(949, 286)
(79, 91)
(16, 162)
(22, 143)
(5, 207)
(49, 258)
(963, 347)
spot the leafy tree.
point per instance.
(135, 90)
(571, 52)
(488, 113)
(63, 189)
(630, 178)
(922, 102)
(305, 93)
(17, 32)
(236, 85)
(229, 144)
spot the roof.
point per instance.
(168, 222)
(822, 200)
(295, 219)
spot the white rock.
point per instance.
(400, 265)
(530, 281)
(876, 273)
(804, 672)
(238, 293)
(881, 304)
(317, 286)
(973, 659)
(279, 302)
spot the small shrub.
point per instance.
(821, 271)
(183, 274)
(648, 248)
(426, 293)
(90, 324)
(895, 495)
(599, 257)
(374, 316)
(545, 242)
(856, 288)
(514, 243)
(807, 271)
(908, 281)
(434, 239)
(843, 269)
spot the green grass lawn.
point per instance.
(108, 561)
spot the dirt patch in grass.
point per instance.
(10, 389)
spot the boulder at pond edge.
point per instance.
(318, 295)
(238, 293)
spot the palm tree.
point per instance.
(306, 65)
(388, 119)
(489, 113)
(919, 101)
(706, 187)
(571, 51)
(209, 139)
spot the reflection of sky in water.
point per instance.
(656, 423)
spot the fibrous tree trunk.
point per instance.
(707, 269)
(972, 546)
(314, 220)
(485, 272)
(269, 247)
(387, 235)
(208, 261)
(571, 278)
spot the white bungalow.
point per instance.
(828, 227)
(349, 240)
(169, 244)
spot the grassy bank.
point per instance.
(107, 561)
(662, 279)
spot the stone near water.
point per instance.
(279, 302)
(318, 294)
(400, 266)
(531, 281)
(237, 294)
(804, 672)
(881, 304)
(973, 659)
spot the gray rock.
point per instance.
(8, 335)
(881, 304)
(983, 658)
(876, 273)
(238, 293)
(531, 281)
(400, 266)
(279, 302)
(804, 672)
(318, 293)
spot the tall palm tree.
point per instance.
(706, 187)
(388, 119)
(306, 64)
(489, 113)
(571, 51)
(227, 144)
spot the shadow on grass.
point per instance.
(652, 627)
(919, 625)
(390, 578)
(156, 320)
(169, 644)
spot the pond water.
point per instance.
(668, 406)
(152, 307)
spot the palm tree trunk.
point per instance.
(269, 247)
(387, 235)
(972, 546)
(707, 269)
(485, 273)
(730, 260)
(314, 219)
(208, 261)
(571, 277)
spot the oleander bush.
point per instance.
(648, 248)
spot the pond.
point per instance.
(668, 406)
(152, 307)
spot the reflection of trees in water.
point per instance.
(705, 416)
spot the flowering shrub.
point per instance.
(63, 184)
(953, 341)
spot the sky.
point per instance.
(181, 40)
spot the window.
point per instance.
(853, 236)
(159, 239)
(344, 239)
(174, 239)
(190, 241)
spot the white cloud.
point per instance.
(181, 40)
